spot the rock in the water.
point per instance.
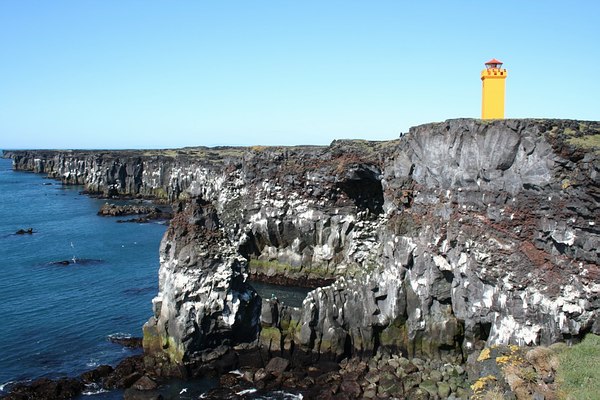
(134, 394)
(126, 373)
(145, 383)
(77, 261)
(96, 374)
(47, 389)
(131, 342)
(115, 210)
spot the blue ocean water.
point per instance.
(56, 319)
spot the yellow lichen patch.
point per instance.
(481, 383)
(510, 353)
(484, 355)
(511, 358)
(503, 359)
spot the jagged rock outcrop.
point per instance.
(203, 300)
(157, 174)
(115, 210)
(458, 234)
(496, 246)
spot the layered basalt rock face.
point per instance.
(203, 300)
(494, 245)
(157, 174)
(458, 234)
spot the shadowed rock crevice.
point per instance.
(362, 184)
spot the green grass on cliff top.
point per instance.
(578, 373)
(586, 142)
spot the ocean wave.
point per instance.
(280, 395)
(256, 395)
(8, 386)
(119, 335)
(5, 385)
(93, 363)
(247, 391)
(92, 389)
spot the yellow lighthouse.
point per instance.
(493, 79)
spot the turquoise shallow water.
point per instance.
(56, 319)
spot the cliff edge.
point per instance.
(457, 235)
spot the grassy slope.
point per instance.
(578, 374)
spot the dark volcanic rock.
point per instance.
(97, 374)
(114, 210)
(126, 373)
(131, 342)
(78, 261)
(145, 383)
(277, 366)
(148, 218)
(46, 389)
(134, 394)
(223, 310)
(458, 235)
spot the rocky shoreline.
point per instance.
(458, 237)
(144, 213)
(245, 373)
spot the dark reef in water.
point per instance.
(77, 261)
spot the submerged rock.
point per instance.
(78, 261)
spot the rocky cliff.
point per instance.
(158, 174)
(458, 234)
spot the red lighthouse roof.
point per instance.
(493, 61)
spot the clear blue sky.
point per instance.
(152, 74)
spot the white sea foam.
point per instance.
(280, 394)
(247, 391)
(92, 389)
(119, 335)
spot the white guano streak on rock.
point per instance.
(507, 330)
(442, 263)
